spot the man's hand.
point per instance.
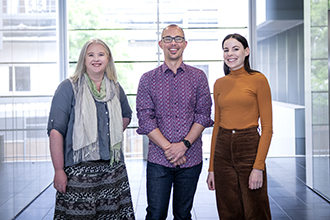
(180, 161)
(175, 152)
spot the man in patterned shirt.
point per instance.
(173, 107)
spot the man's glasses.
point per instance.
(176, 39)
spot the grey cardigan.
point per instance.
(61, 118)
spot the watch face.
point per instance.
(187, 143)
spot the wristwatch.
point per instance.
(186, 143)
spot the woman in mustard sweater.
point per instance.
(237, 169)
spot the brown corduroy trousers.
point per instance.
(234, 156)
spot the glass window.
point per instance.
(4, 6)
(320, 96)
(21, 79)
(132, 30)
(29, 77)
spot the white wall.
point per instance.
(284, 129)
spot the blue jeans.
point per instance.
(159, 184)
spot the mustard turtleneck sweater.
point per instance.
(240, 99)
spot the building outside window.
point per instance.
(19, 79)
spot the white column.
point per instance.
(308, 95)
(1, 26)
(252, 26)
(62, 40)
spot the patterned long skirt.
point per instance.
(95, 190)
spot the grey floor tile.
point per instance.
(6, 213)
(290, 198)
(303, 214)
(33, 213)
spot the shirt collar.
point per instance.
(166, 69)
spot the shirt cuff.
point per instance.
(203, 120)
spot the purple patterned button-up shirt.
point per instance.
(173, 103)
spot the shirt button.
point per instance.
(108, 134)
(233, 131)
(106, 113)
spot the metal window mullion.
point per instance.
(62, 39)
(253, 33)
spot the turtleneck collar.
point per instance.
(238, 72)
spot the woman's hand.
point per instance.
(56, 151)
(60, 181)
(256, 179)
(210, 181)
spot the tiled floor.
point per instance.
(290, 199)
(20, 183)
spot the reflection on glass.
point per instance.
(320, 97)
(28, 66)
(319, 40)
(22, 79)
(28, 63)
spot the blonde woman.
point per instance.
(88, 115)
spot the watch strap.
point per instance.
(186, 143)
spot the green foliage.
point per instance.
(319, 75)
(86, 21)
(320, 103)
(319, 12)
(319, 44)
(82, 15)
